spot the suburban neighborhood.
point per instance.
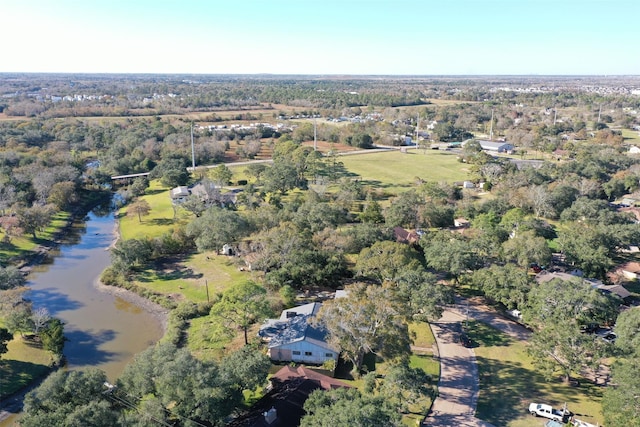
(320, 213)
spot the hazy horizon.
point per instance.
(329, 37)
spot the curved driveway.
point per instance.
(458, 386)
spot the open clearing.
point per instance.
(399, 171)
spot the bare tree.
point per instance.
(40, 318)
(540, 200)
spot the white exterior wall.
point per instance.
(318, 354)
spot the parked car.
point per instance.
(607, 334)
(546, 411)
(515, 313)
(589, 328)
(465, 340)
(610, 337)
(553, 423)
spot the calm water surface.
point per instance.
(103, 330)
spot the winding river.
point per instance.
(103, 329)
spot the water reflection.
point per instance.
(84, 347)
(103, 330)
(54, 300)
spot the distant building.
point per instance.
(630, 270)
(546, 276)
(405, 236)
(461, 222)
(499, 147)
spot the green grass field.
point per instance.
(396, 172)
(423, 335)
(160, 219)
(190, 276)
(631, 136)
(509, 382)
(22, 245)
(23, 363)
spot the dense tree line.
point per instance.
(162, 385)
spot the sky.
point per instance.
(338, 37)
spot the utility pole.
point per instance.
(417, 130)
(491, 127)
(599, 112)
(193, 152)
(315, 134)
(555, 116)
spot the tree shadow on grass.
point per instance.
(507, 388)
(344, 370)
(484, 335)
(161, 221)
(17, 374)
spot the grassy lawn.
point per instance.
(191, 276)
(395, 171)
(418, 411)
(423, 336)
(23, 363)
(22, 245)
(631, 136)
(509, 382)
(160, 219)
(201, 341)
(205, 344)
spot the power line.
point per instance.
(133, 406)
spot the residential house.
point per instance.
(210, 194)
(179, 194)
(619, 290)
(292, 337)
(405, 236)
(630, 270)
(632, 211)
(283, 404)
